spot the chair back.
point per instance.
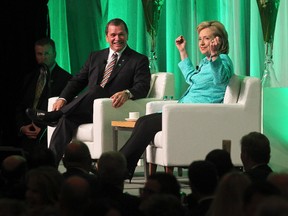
(232, 90)
(162, 84)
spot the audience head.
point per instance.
(43, 186)
(256, 193)
(12, 177)
(14, 167)
(41, 157)
(77, 154)
(112, 168)
(12, 207)
(221, 159)
(255, 150)
(104, 207)
(161, 183)
(273, 206)
(280, 180)
(74, 197)
(203, 177)
(229, 192)
(162, 204)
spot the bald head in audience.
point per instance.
(77, 154)
(14, 166)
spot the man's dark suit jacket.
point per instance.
(259, 173)
(57, 80)
(131, 72)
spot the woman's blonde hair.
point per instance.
(219, 30)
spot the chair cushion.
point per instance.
(85, 132)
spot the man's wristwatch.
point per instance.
(128, 93)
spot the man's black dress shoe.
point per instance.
(128, 176)
(41, 117)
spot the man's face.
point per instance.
(117, 37)
(45, 54)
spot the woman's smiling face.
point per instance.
(205, 37)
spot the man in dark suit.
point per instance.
(255, 156)
(31, 134)
(129, 79)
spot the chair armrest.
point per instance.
(51, 101)
(50, 130)
(104, 114)
(104, 105)
(156, 106)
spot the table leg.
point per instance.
(115, 138)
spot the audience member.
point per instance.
(12, 207)
(112, 169)
(273, 206)
(43, 188)
(222, 160)
(255, 194)
(104, 207)
(280, 180)
(207, 84)
(75, 196)
(255, 156)
(203, 180)
(41, 157)
(229, 194)
(130, 79)
(77, 161)
(161, 183)
(13, 172)
(162, 204)
(31, 133)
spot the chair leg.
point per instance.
(152, 168)
(146, 166)
(169, 169)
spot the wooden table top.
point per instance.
(125, 124)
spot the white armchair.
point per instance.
(190, 131)
(98, 135)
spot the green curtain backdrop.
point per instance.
(78, 28)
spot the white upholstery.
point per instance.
(98, 135)
(190, 131)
